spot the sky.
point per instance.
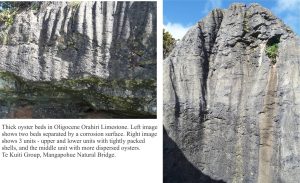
(180, 15)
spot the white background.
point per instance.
(134, 166)
(144, 166)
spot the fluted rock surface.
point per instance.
(230, 108)
(99, 53)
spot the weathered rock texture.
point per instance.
(232, 112)
(69, 58)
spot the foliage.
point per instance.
(85, 90)
(246, 27)
(7, 17)
(272, 52)
(8, 10)
(75, 4)
(35, 6)
(17, 5)
(3, 37)
(168, 43)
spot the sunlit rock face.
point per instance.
(73, 59)
(231, 109)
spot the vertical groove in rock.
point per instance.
(42, 44)
(266, 127)
(55, 25)
(104, 33)
(177, 102)
(95, 38)
(208, 39)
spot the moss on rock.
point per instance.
(87, 90)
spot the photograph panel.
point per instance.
(231, 91)
(78, 59)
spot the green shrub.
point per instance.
(7, 16)
(3, 38)
(272, 52)
(168, 43)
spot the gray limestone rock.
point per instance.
(230, 109)
(91, 55)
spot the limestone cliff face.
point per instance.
(102, 54)
(231, 112)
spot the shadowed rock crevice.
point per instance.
(205, 71)
(208, 38)
(177, 105)
(43, 43)
(54, 28)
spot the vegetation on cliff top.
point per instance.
(168, 43)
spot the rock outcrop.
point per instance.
(72, 59)
(231, 109)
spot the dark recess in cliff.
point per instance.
(174, 162)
